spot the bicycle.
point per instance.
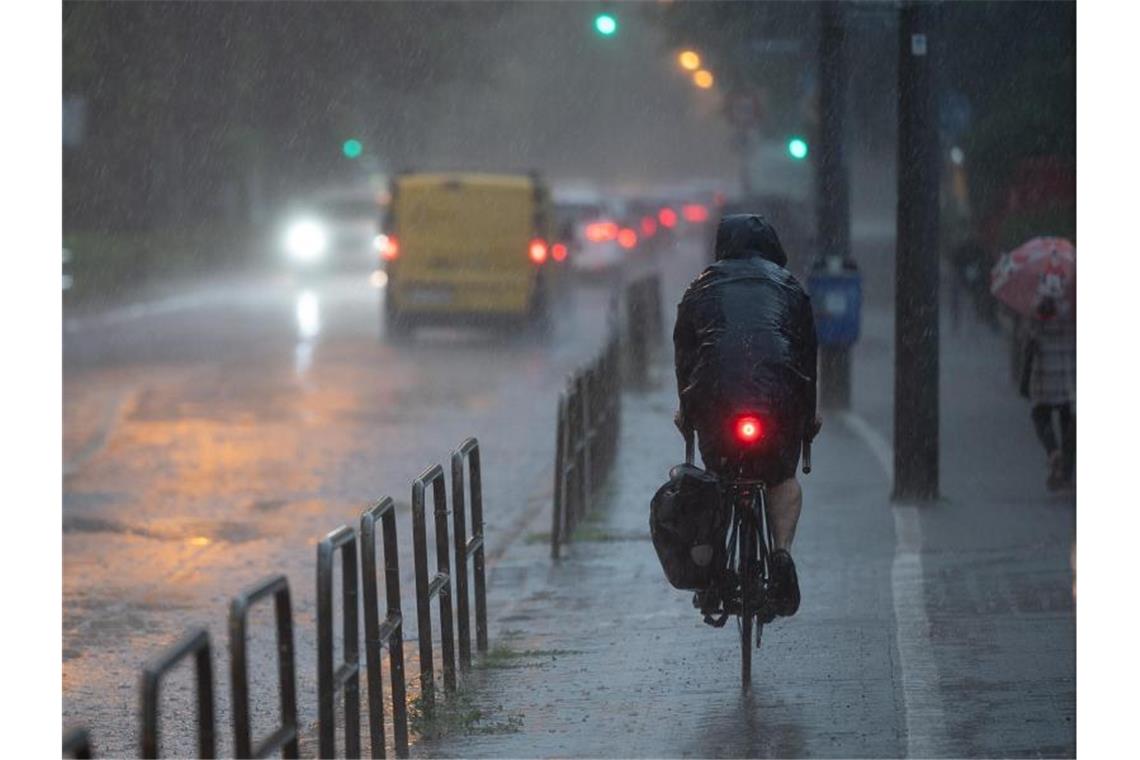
(749, 547)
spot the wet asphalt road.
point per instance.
(213, 437)
(209, 441)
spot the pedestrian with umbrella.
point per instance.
(1038, 282)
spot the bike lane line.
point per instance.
(922, 699)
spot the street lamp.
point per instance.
(703, 79)
(689, 60)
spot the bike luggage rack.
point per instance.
(391, 630)
(346, 675)
(438, 585)
(473, 548)
(195, 644)
(285, 737)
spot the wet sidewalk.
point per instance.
(941, 630)
(598, 656)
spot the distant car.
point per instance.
(336, 230)
(470, 247)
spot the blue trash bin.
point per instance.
(837, 300)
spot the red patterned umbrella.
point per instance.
(1045, 267)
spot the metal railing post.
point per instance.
(391, 630)
(439, 585)
(347, 674)
(557, 526)
(195, 644)
(469, 548)
(77, 744)
(638, 350)
(582, 391)
(285, 737)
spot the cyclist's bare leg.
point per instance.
(784, 503)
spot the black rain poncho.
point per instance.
(745, 335)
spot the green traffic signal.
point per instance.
(606, 24)
(352, 148)
(798, 148)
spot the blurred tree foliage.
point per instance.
(195, 107)
(756, 48)
(1017, 62)
(1014, 63)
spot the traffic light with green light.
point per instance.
(606, 24)
(352, 148)
(797, 148)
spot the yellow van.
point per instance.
(463, 248)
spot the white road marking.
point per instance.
(922, 700)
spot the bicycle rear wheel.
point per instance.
(748, 601)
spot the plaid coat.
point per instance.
(1053, 376)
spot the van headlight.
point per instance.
(306, 241)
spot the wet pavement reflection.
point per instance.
(209, 442)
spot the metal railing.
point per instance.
(589, 410)
(286, 736)
(438, 586)
(644, 327)
(467, 502)
(77, 744)
(390, 631)
(347, 674)
(473, 548)
(195, 644)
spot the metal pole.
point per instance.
(916, 284)
(833, 209)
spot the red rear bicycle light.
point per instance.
(558, 251)
(538, 250)
(749, 430)
(667, 217)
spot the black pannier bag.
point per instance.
(689, 528)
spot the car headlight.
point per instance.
(306, 241)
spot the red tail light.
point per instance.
(748, 429)
(558, 251)
(600, 232)
(537, 250)
(667, 217)
(648, 226)
(627, 238)
(695, 213)
(389, 247)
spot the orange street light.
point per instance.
(703, 79)
(689, 60)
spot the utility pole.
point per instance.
(916, 273)
(833, 213)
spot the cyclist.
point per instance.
(745, 341)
